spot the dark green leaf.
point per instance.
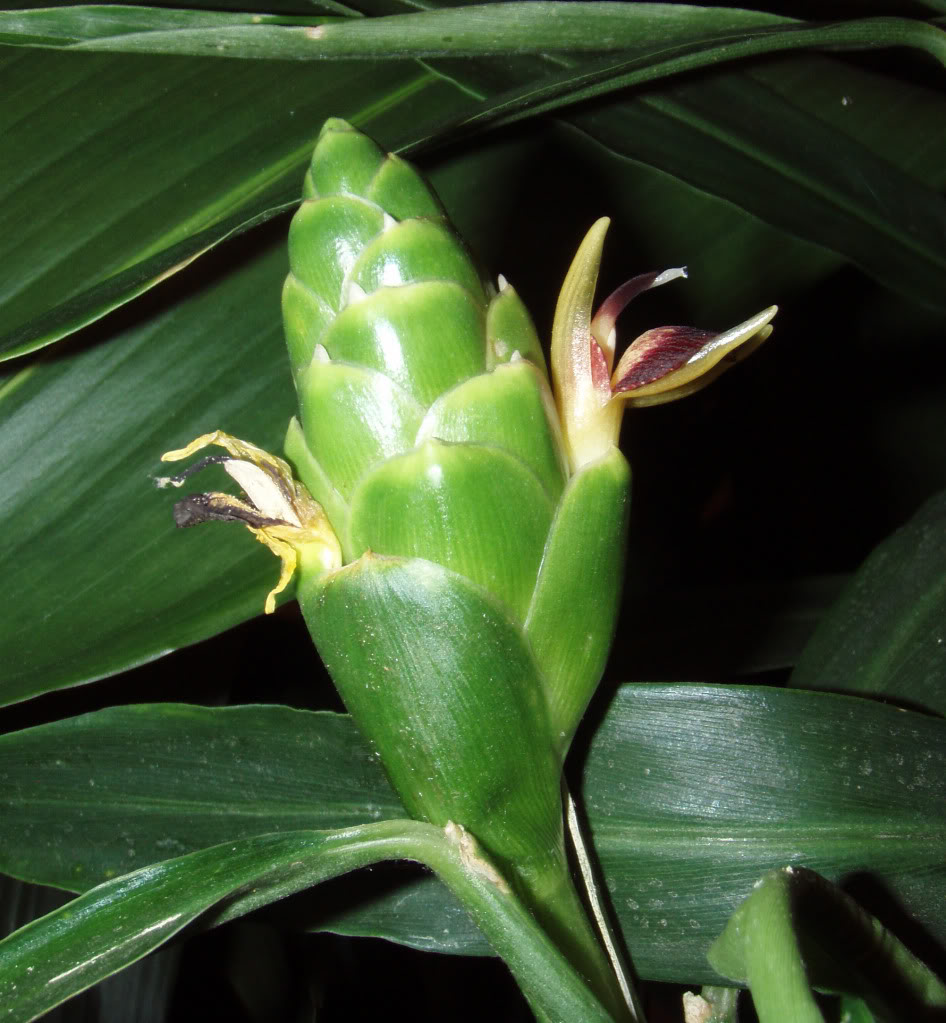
(100, 299)
(120, 169)
(886, 636)
(149, 782)
(87, 25)
(692, 793)
(120, 921)
(736, 137)
(90, 546)
(85, 208)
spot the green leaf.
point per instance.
(487, 30)
(733, 136)
(90, 545)
(117, 923)
(117, 27)
(692, 793)
(886, 635)
(100, 299)
(90, 221)
(148, 782)
(142, 992)
(796, 932)
(800, 122)
(114, 209)
(473, 30)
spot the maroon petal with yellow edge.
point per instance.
(656, 353)
(671, 362)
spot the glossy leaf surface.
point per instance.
(143, 991)
(692, 793)
(122, 169)
(86, 532)
(126, 216)
(122, 920)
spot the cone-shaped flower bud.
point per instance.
(480, 530)
(662, 365)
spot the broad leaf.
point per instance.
(735, 137)
(886, 635)
(117, 923)
(92, 221)
(147, 782)
(87, 535)
(119, 170)
(692, 793)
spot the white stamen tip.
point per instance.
(670, 275)
(388, 222)
(320, 354)
(502, 283)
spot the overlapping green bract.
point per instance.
(427, 427)
(471, 620)
(386, 316)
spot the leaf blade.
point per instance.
(117, 923)
(691, 793)
(884, 635)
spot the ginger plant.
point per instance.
(457, 531)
